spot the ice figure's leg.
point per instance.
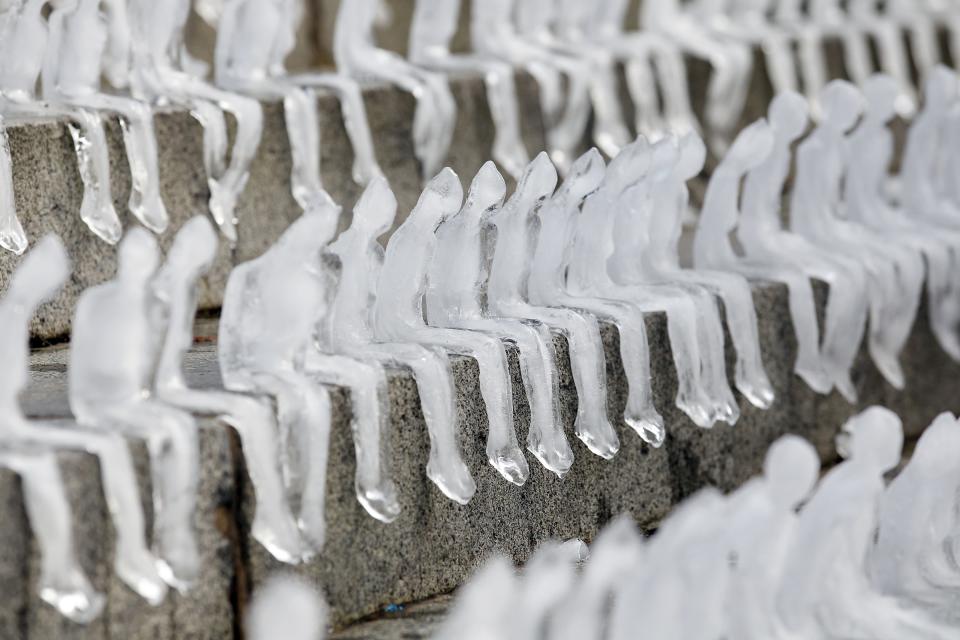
(550, 88)
(62, 583)
(894, 62)
(909, 278)
(355, 120)
(214, 128)
(508, 148)
(370, 424)
(643, 93)
(813, 68)
(742, 59)
(303, 130)
(923, 43)
(882, 296)
(845, 318)
(941, 299)
(273, 524)
(503, 452)
(856, 56)
(443, 124)
(12, 236)
(610, 134)
(672, 78)
(568, 133)
(778, 52)
(140, 143)
(93, 162)
(431, 370)
(714, 359)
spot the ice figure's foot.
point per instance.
(73, 596)
(844, 384)
(455, 483)
(102, 221)
(279, 535)
(648, 426)
(223, 205)
(150, 211)
(380, 502)
(511, 464)
(13, 238)
(557, 457)
(889, 366)
(757, 390)
(602, 441)
(726, 409)
(313, 527)
(698, 410)
(139, 570)
(948, 340)
(179, 561)
(815, 377)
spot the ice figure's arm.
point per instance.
(238, 309)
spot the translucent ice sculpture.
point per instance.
(825, 590)
(547, 578)
(12, 236)
(351, 333)
(712, 248)
(455, 299)
(922, 30)
(174, 307)
(157, 75)
(267, 327)
(584, 178)
(891, 50)
(433, 27)
(677, 161)
(764, 240)
(871, 149)
(113, 395)
(357, 55)
(287, 607)
(398, 317)
(493, 33)
(82, 41)
(914, 556)
(482, 608)
(22, 48)
(895, 271)
(37, 278)
(507, 297)
(808, 31)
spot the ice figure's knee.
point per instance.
(249, 114)
(490, 353)
(252, 410)
(138, 111)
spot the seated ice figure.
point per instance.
(895, 271)
(483, 605)
(358, 56)
(12, 236)
(114, 395)
(267, 326)
(89, 38)
(712, 248)
(398, 317)
(877, 24)
(454, 299)
(351, 334)
(173, 309)
(921, 27)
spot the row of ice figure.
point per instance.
(860, 559)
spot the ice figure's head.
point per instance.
(663, 159)
(486, 193)
(751, 147)
(194, 247)
(880, 93)
(137, 257)
(873, 437)
(288, 608)
(440, 199)
(841, 104)
(789, 115)
(40, 274)
(376, 209)
(629, 166)
(585, 176)
(692, 156)
(538, 181)
(940, 89)
(939, 446)
(790, 470)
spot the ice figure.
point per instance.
(157, 75)
(888, 34)
(454, 298)
(23, 44)
(871, 149)
(174, 307)
(915, 554)
(764, 240)
(38, 277)
(921, 28)
(267, 324)
(613, 554)
(483, 605)
(583, 179)
(712, 248)
(398, 316)
(113, 395)
(357, 55)
(759, 530)
(808, 32)
(430, 33)
(289, 608)
(12, 236)
(895, 271)
(613, 232)
(569, 18)
(825, 590)
(493, 33)
(651, 63)
(547, 578)
(679, 161)
(731, 62)
(351, 333)
(507, 290)
(86, 38)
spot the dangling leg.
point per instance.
(856, 56)
(910, 271)
(12, 236)
(93, 162)
(643, 93)
(671, 72)
(894, 62)
(813, 68)
(508, 148)
(609, 131)
(778, 52)
(568, 134)
(214, 127)
(303, 131)
(942, 302)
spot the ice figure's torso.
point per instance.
(360, 268)
(14, 353)
(919, 164)
(718, 217)
(402, 279)
(178, 305)
(761, 200)
(432, 28)
(510, 266)
(82, 46)
(22, 49)
(457, 272)
(251, 41)
(871, 148)
(550, 255)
